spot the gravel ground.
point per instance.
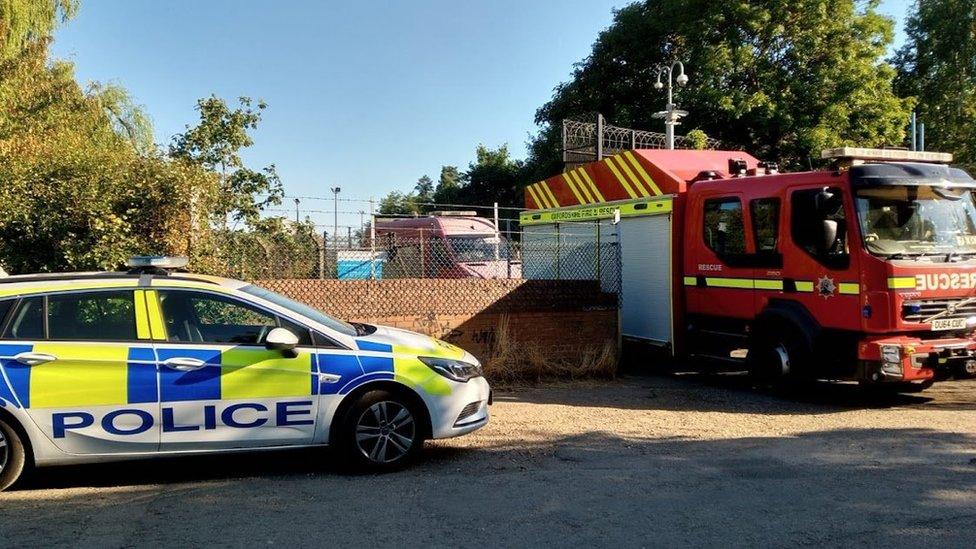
(643, 461)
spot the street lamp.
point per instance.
(297, 203)
(670, 114)
(335, 218)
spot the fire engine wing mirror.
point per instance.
(829, 234)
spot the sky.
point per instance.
(366, 95)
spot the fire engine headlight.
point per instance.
(452, 369)
(891, 359)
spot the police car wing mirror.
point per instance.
(281, 339)
(829, 234)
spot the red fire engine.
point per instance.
(865, 271)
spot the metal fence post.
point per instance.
(599, 137)
(321, 248)
(559, 242)
(423, 259)
(372, 241)
(599, 250)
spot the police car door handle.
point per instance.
(34, 359)
(184, 364)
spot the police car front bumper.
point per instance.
(466, 410)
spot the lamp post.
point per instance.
(297, 203)
(670, 114)
(335, 216)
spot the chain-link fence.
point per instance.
(428, 247)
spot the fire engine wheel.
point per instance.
(776, 357)
(13, 457)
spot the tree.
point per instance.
(494, 176)
(779, 78)
(25, 21)
(76, 194)
(424, 193)
(447, 185)
(215, 143)
(937, 64)
(398, 203)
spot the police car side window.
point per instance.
(92, 316)
(197, 317)
(27, 321)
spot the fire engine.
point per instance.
(864, 271)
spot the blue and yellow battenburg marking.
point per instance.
(116, 375)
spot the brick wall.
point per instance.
(564, 321)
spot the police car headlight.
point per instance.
(452, 369)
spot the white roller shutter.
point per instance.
(645, 246)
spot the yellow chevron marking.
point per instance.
(572, 187)
(633, 178)
(535, 197)
(620, 178)
(648, 180)
(593, 187)
(552, 197)
(582, 187)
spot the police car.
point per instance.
(106, 366)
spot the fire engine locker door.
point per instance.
(645, 251)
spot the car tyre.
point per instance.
(13, 456)
(381, 432)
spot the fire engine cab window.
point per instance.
(724, 232)
(819, 225)
(765, 224)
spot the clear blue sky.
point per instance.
(368, 95)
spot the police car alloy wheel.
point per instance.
(385, 432)
(381, 432)
(12, 456)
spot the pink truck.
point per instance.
(445, 245)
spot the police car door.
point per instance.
(220, 387)
(82, 365)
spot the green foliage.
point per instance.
(697, 139)
(398, 203)
(272, 248)
(493, 177)
(447, 185)
(779, 78)
(128, 119)
(215, 143)
(25, 21)
(937, 64)
(76, 194)
(424, 189)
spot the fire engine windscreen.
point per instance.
(905, 221)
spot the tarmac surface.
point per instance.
(682, 460)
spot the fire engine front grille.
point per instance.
(917, 311)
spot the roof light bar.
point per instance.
(856, 154)
(157, 261)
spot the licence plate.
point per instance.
(940, 324)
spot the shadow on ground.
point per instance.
(892, 487)
(695, 391)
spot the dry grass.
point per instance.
(510, 362)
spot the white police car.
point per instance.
(108, 366)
